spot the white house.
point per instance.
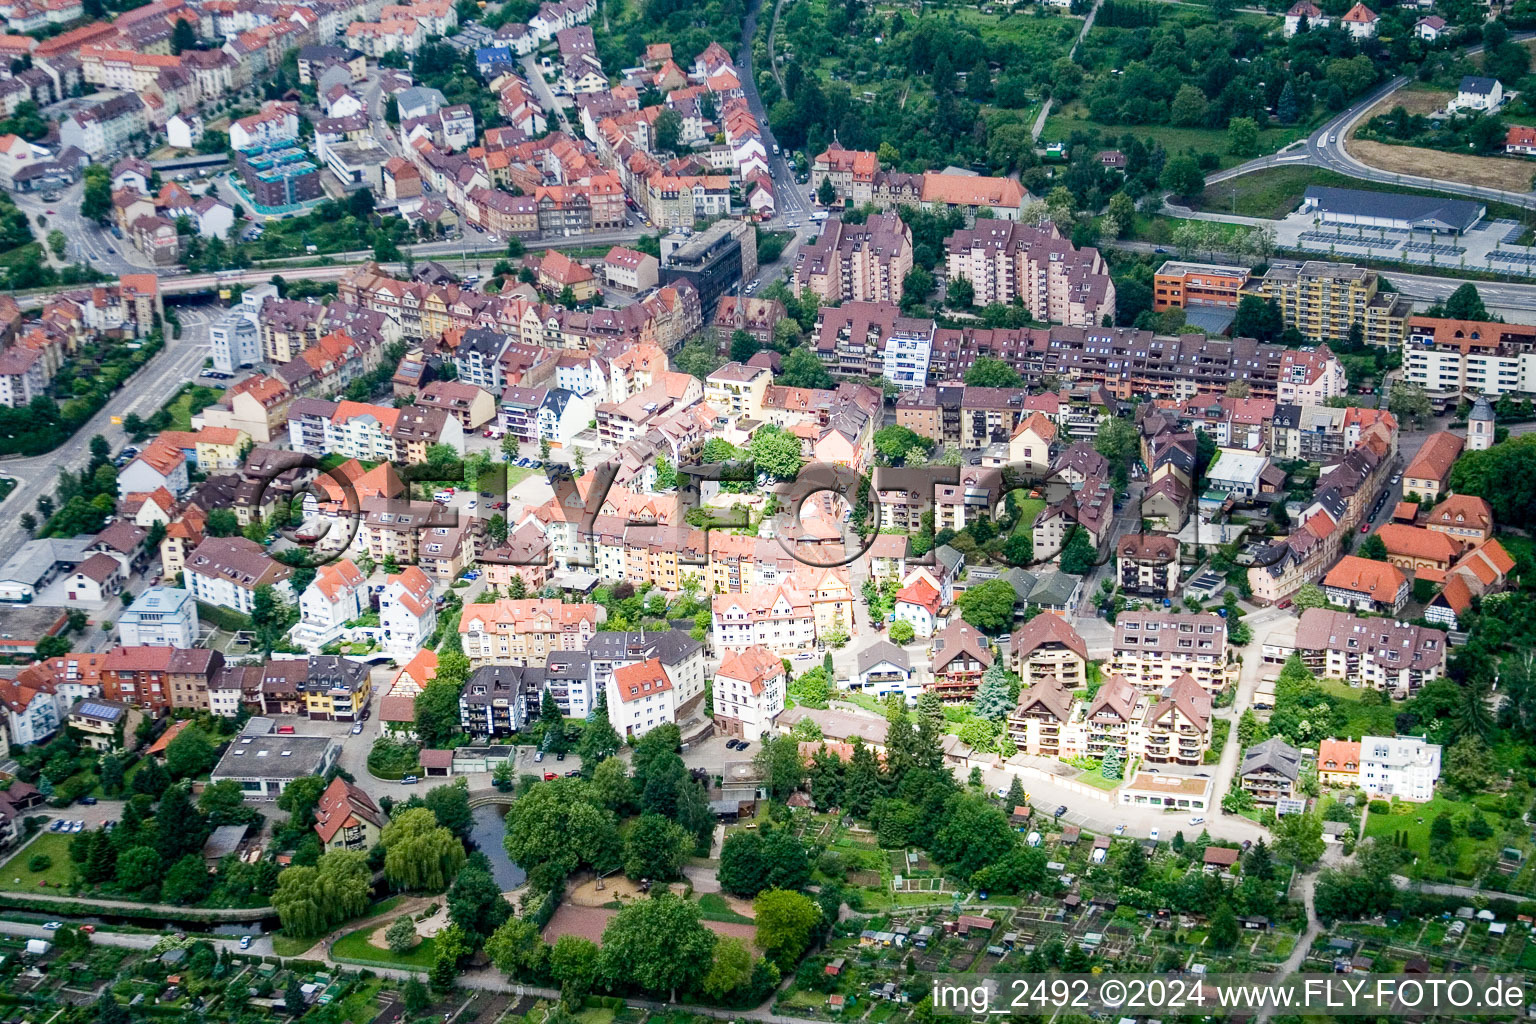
(640, 697)
(1236, 472)
(94, 581)
(1402, 766)
(1429, 29)
(406, 611)
(159, 465)
(1308, 11)
(1478, 94)
(159, 617)
(563, 415)
(184, 131)
(336, 596)
(1360, 22)
(749, 691)
(228, 571)
(918, 604)
(883, 669)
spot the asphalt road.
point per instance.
(145, 392)
(88, 241)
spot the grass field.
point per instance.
(1274, 192)
(187, 402)
(1177, 141)
(1361, 719)
(356, 946)
(15, 876)
(1415, 826)
(714, 907)
(284, 945)
(1029, 511)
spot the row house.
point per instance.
(1170, 727)
(520, 632)
(160, 679)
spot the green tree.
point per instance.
(988, 372)
(802, 369)
(1465, 303)
(658, 945)
(1373, 547)
(1188, 108)
(221, 523)
(776, 451)
(437, 711)
(826, 194)
(517, 949)
(729, 970)
(656, 848)
(573, 962)
(1182, 177)
(401, 936)
(599, 739)
(669, 126)
(1079, 556)
(1299, 839)
(418, 852)
(191, 753)
(558, 823)
(1309, 595)
(785, 922)
(309, 900)
(902, 632)
(1243, 137)
(995, 696)
(474, 900)
(1223, 933)
(989, 606)
(299, 798)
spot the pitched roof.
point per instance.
(640, 680)
(1417, 542)
(342, 805)
(1047, 629)
(1381, 580)
(1435, 458)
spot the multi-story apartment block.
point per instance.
(158, 679)
(1153, 649)
(959, 654)
(525, 632)
(1405, 767)
(336, 689)
(1047, 647)
(779, 618)
(1006, 261)
(737, 390)
(1378, 653)
(852, 173)
(1451, 358)
(1147, 564)
(1269, 771)
(227, 572)
(749, 692)
(681, 656)
(865, 339)
(159, 617)
(1181, 285)
(1323, 300)
(856, 262)
(1169, 727)
(407, 612)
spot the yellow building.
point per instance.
(737, 390)
(1322, 300)
(219, 449)
(337, 689)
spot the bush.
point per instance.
(39, 862)
(1379, 807)
(390, 758)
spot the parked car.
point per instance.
(574, 773)
(358, 728)
(54, 926)
(88, 801)
(245, 942)
(550, 776)
(1197, 820)
(1154, 835)
(1061, 810)
(409, 780)
(56, 824)
(742, 744)
(1120, 829)
(560, 755)
(538, 756)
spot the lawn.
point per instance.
(15, 876)
(517, 474)
(355, 946)
(1029, 511)
(1274, 192)
(1361, 719)
(1177, 141)
(1414, 827)
(714, 907)
(190, 400)
(287, 946)
(361, 1005)
(1097, 781)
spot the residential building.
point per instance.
(524, 632)
(882, 669)
(641, 697)
(105, 725)
(1370, 652)
(856, 262)
(264, 765)
(1323, 300)
(1048, 647)
(159, 617)
(1153, 649)
(681, 657)
(1181, 285)
(1429, 474)
(227, 572)
(1401, 767)
(959, 654)
(1147, 564)
(346, 818)
(1006, 261)
(1269, 771)
(158, 679)
(749, 690)
(1366, 585)
(1455, 358)
(407, 611)
(336, 596)
(336, 689)
(1338, 763)
(1465, 518)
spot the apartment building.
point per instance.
(1269, 771)
(856, 262)
(1404, 767)
(866, 339)
(959, 654)
(1452, 358)
(1323, 300)
(1366, 585)
(227, 572)
(1006, 261)
(1181, 285)
(779, 618)
(1153, 649)
(1171, 727)
(525, 632)
(641, 697)
(335, 597)
(749, 691)
(336, 689)
(159, 679)
(1047, 647)
(737, 390)
(159, 617)
(407, 612)
(1370, 652)
(1147, 564)
(680, 655)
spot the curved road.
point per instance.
(1325, 148)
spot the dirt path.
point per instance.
(411, 905)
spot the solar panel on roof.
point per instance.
(98, 710)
